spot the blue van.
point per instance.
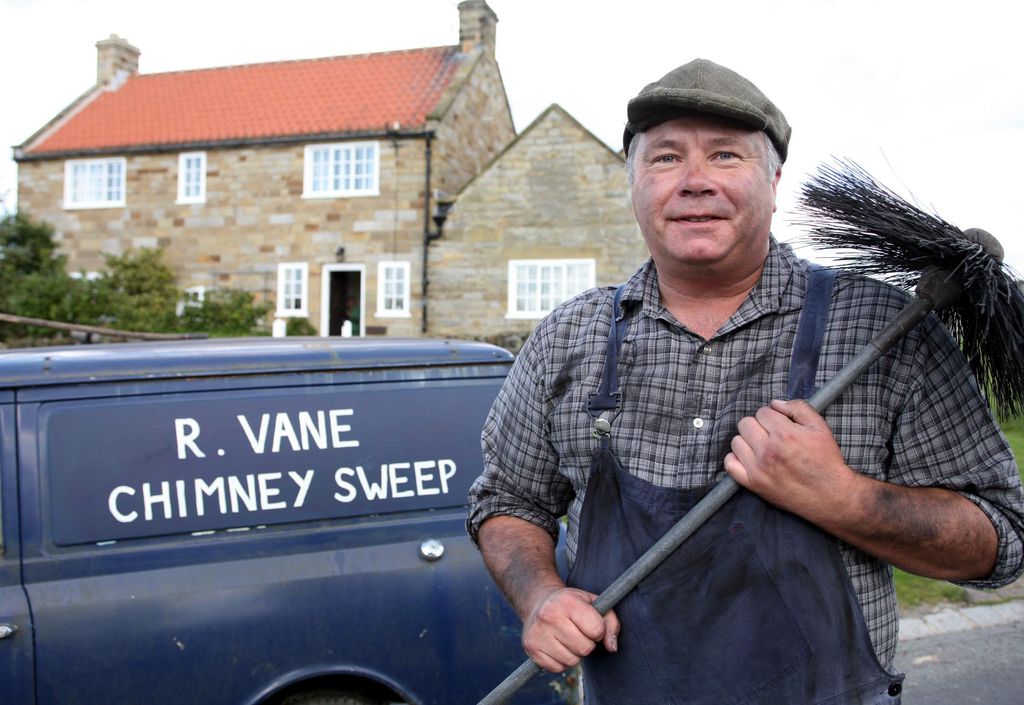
(243, 522)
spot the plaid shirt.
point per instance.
(914, 418)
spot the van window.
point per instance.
(132, 467)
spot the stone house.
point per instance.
(313, 183)
(548, 217)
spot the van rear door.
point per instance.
(15, 621)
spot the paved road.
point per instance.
(983, 665)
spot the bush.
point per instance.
(53, 297)
(225, 312)
(299, 326)
(137, 292)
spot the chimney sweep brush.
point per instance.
(881, 234)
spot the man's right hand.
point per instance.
(563, 627)
(560, 624)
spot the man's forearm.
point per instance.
(929, 531)
(521, 558)
(786, 453)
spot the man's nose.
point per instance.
(695, 180)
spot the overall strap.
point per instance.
(607, 396)
(806, 349)
(810, 332)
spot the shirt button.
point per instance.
(698, 423)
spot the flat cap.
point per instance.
(704, 86)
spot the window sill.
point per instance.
(340, 194)
(93, 206)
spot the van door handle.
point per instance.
(7, 630)
(431, 550)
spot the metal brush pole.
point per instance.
(934, 290)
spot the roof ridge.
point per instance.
(208, 69)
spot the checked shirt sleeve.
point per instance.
(520, 476)
(946, 437)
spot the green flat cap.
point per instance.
(704, 86)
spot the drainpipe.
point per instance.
(439, 216)
(426, 233)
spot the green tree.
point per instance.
(32, 278)
(26, 247)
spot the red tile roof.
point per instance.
(346, 94)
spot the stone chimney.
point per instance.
(116, 58)
(476, 26)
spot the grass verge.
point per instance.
(915, 591)
(1014, 430)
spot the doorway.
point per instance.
(342, 300)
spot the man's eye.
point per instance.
(725, 156)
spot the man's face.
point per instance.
(703, 196)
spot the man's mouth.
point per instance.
(699, 219)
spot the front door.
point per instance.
(342, 300)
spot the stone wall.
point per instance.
(254, 217)
(557, 192)
(473, 124)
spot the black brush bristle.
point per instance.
(878, 233)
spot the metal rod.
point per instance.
(912, 314)
(98, 330)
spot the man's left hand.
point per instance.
(786, 454)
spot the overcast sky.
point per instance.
(927, 95)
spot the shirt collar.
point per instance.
(780, 289)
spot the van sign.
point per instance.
(135, 468)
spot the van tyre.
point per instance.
(327, 697)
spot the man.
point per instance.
(623, 408)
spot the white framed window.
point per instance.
(341, 169)
(192, 177)
(393, 289)
(192, 297)
(94, 183)
(535, 286)
(292, 289)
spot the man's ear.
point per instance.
(775, 189)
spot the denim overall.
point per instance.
(754, 608)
